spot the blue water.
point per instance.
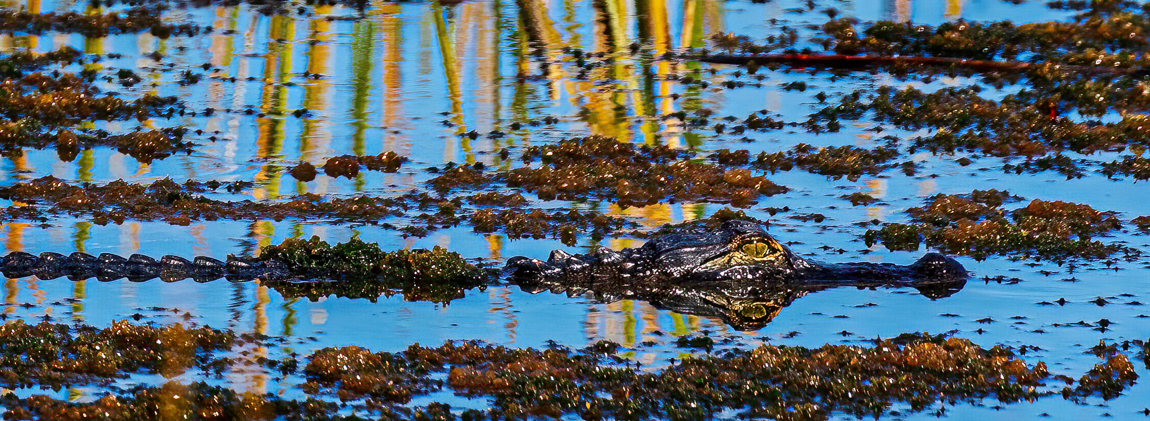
(391, 77)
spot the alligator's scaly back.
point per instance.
(137, 267)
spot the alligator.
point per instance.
(737, 272)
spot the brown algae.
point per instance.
(784, 382)
(631, 175)
(55, 355)
(976, 225)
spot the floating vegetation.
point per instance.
(539, 224)
(976, 225)
(1059, 163)
(769, 381)
(321, 88)
(144, 145)
(136, 19)
(172, 400)
(56, 355)
(834, 162)
(178, 204)
(357, 269)
(1107, 379)
(349, 165)
(860, 199)
(72, 101)
(461, 177)
(15, 64)
(1019, 124)
(1135, 167)
(1108, 25)
(917, 369)
(631, 175)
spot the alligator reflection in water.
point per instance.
(738, 273)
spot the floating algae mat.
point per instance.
(355, 175)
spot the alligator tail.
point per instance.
(137, 267)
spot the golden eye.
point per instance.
(756, 250)
(754, 311)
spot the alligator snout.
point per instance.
(935, 266)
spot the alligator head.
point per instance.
(737, 272)
(738, 251)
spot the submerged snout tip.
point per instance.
(939, 266)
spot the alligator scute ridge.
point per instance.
(138, 267)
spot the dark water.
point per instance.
(393, 75)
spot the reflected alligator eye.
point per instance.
(756, 250)
(755, 311)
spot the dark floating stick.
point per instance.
(839, 60)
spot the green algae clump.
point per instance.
(359, 269)
(57, 355)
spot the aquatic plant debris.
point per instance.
(135, 19)
(919, 370)
(55, 355)
(631, 175)
(357, 269)
(976, 225)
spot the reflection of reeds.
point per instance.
(79, 288)
(315, 92)
(393, 84)
(273, 100)
(14, 241)
(363, 52)
(450, 64)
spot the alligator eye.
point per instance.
(756, 250)
(754, 311)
